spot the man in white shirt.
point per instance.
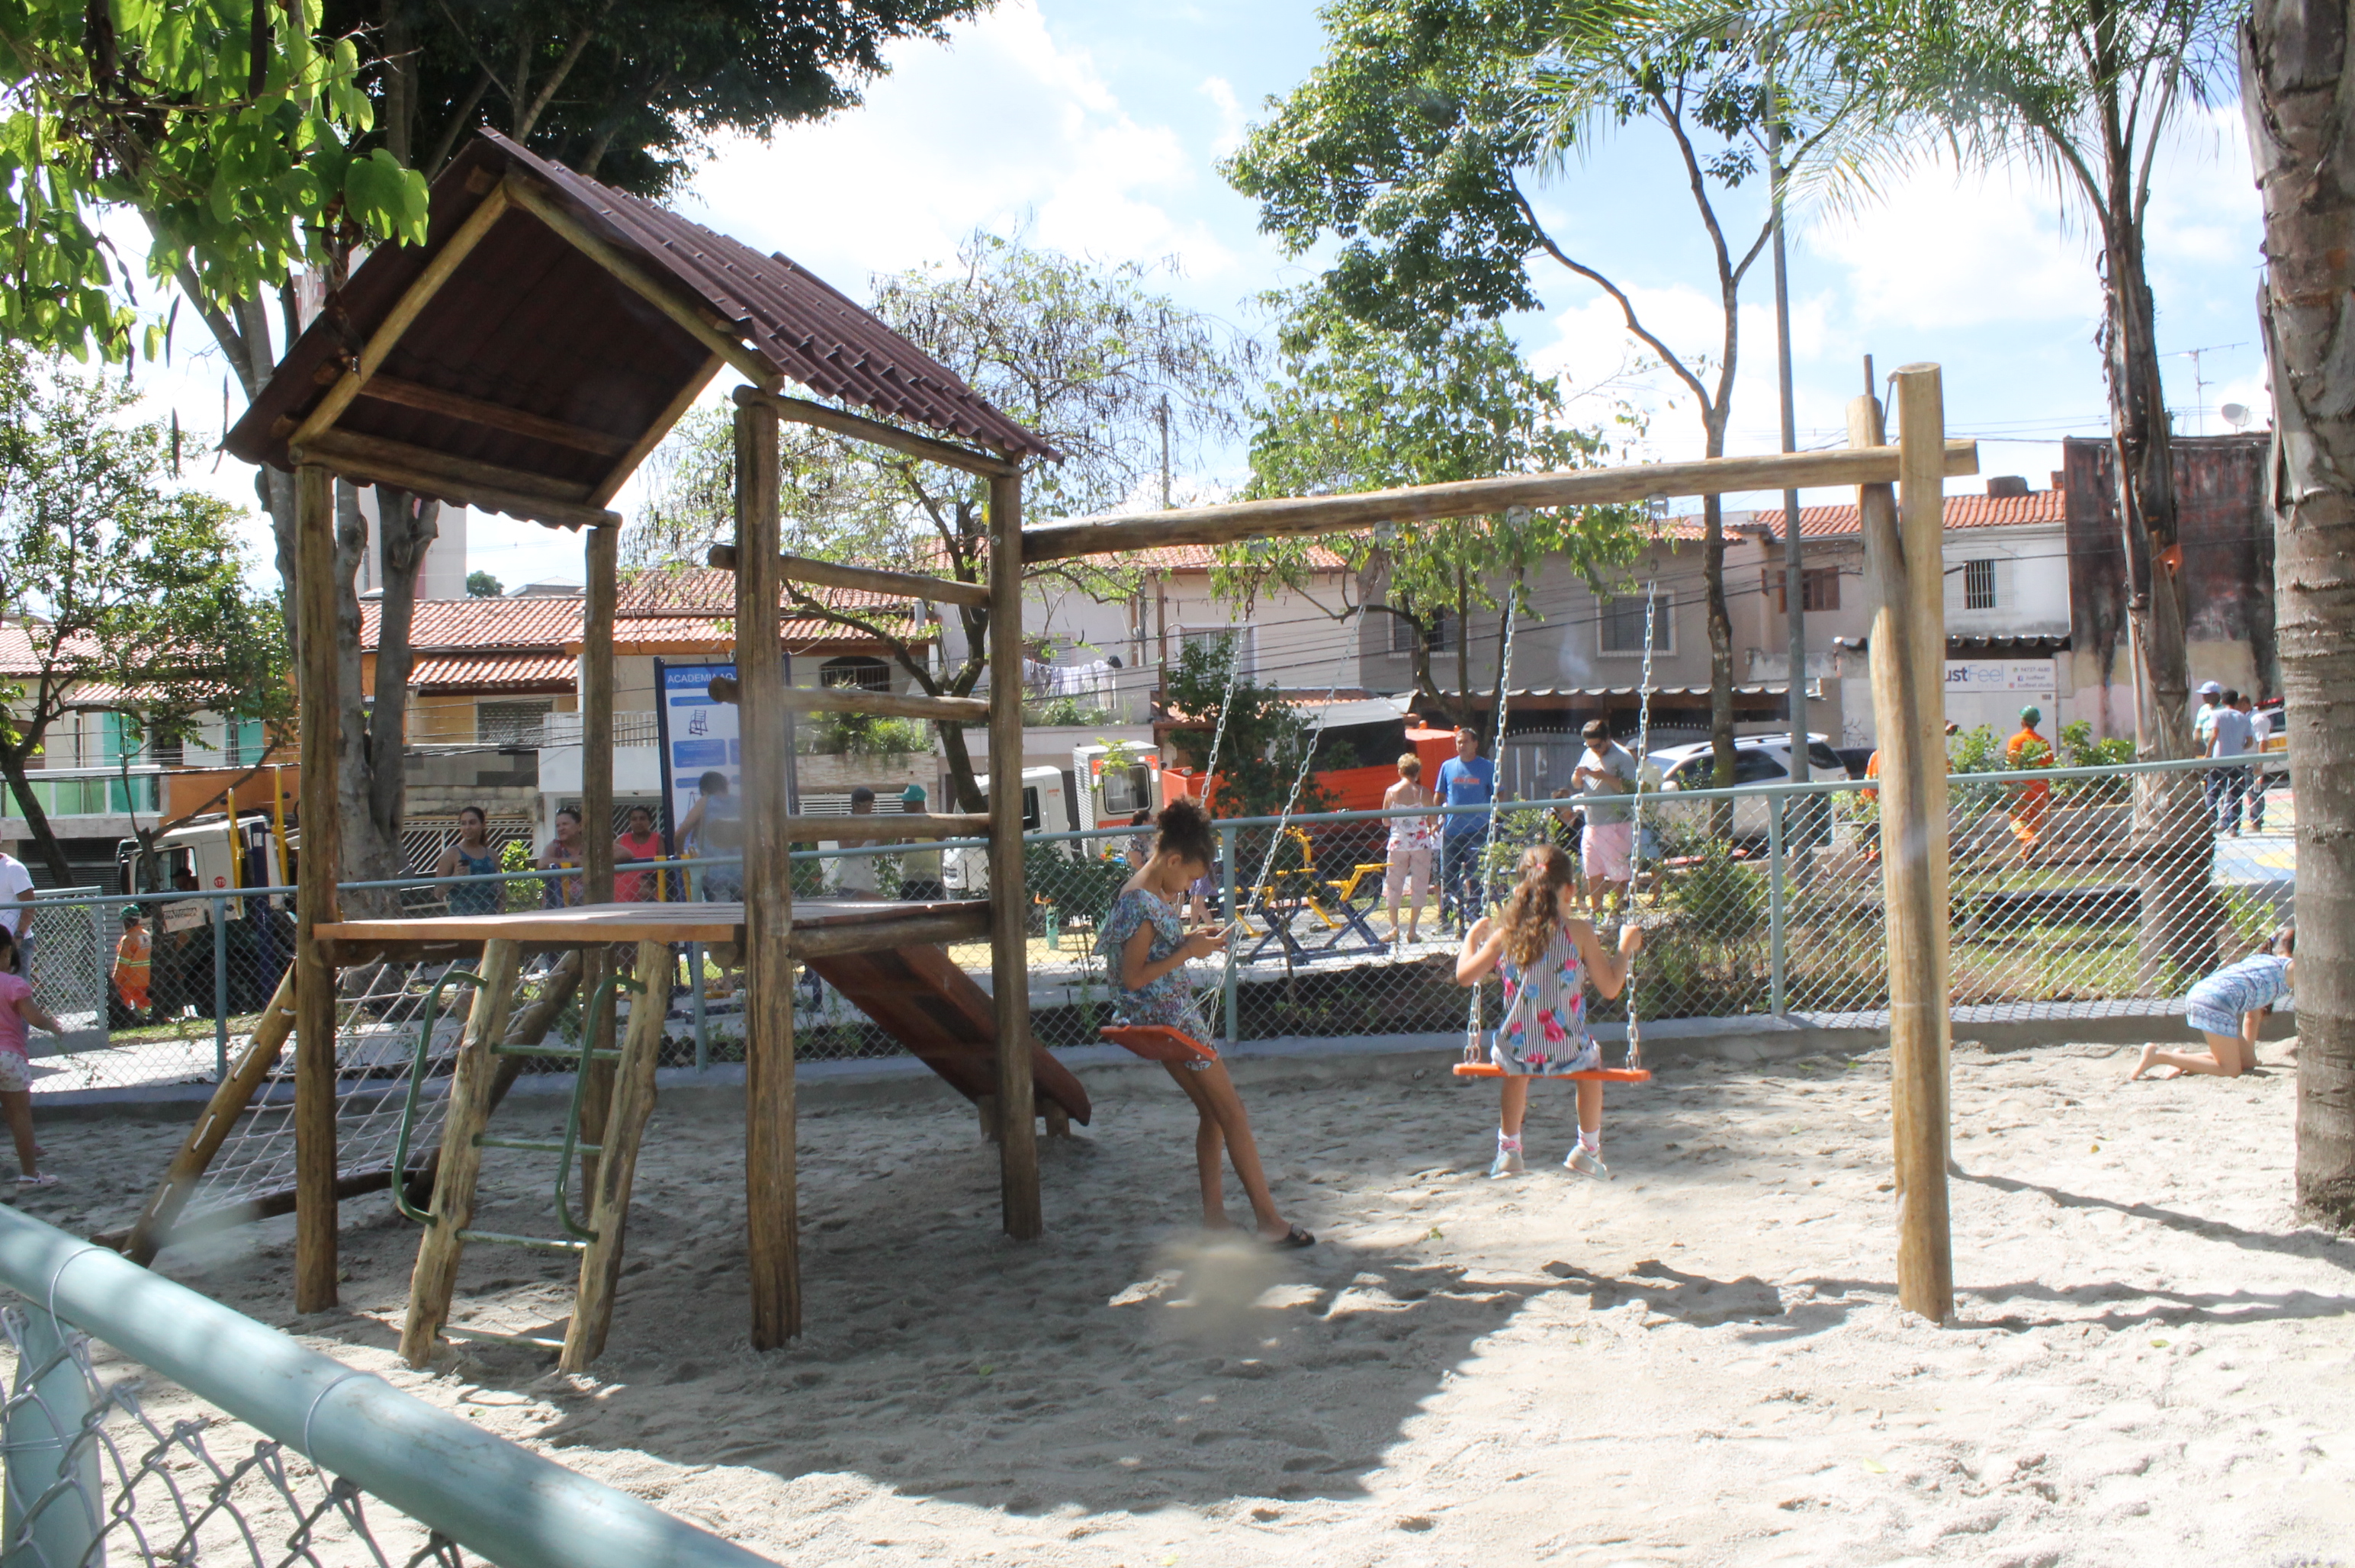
(16, 892)
(2261, 729)
(2229, 735)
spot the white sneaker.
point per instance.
(1508, 1163)
(1586, 1163)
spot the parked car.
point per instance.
(1757, 759)
(2275, 749)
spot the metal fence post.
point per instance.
(220, 912)
(1228, 842)
(51, 1511)
(1774, 905)
(695, 995)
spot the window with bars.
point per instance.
(511, 723)
(1978, 586)
(1622, 624)
(862, 672)
(1404, 632)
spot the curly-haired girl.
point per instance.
(1146, 948)
(1547, 954)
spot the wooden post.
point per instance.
(1009, 957)
(316, 902)
(609, 1200)
(1903, 559)
(601, 562)
(772, 1239)
(435, 1276)
(230, 1097)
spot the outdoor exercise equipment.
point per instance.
(416, 382)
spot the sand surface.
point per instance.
(1701, 1361)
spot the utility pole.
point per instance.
(1794, 620)
(1163, 414)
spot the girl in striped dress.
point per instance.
(2227, 1007)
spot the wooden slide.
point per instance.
(919, 998)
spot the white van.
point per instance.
(1046, 809)
(219, 853)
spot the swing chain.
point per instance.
(1635, 851)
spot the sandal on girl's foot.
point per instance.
(1586, 1163)
(1508, 1163)
(43, 1180)
(1293, 1239)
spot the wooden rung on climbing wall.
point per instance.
(851, 700)
(834, 574)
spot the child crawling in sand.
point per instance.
(1146, 948)
(1547, 954)
(2227, 1007)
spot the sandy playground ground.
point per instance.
(1698, 1362)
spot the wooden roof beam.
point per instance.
(372, 460)
(496, 416)
(1290, 516)
(858, 428)
(834, 574)
(854, 699)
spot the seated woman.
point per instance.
(1146, 949)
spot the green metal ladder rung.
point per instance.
(529, 1341)
(545, 1244)
(534, 1145)
(562, 1052)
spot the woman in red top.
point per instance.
(641, 842)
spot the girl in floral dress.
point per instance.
(1146, 949)
(1546, 954)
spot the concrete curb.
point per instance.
(821, 1085)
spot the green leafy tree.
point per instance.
(1359, 407)
(113, 580)
(1420, 141)
(229, 125)
(1265, 737)
(483, 585)
(1116, 376)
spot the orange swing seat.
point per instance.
(1593, 1075)
(1157, 1042)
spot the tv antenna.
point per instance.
(2200, 384)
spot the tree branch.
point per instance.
(1626, 306)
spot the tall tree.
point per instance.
(629, 89)
(1087, 356)
(1359, 408)
(2086, 91)
(111, 578)
(1422, 139)
(2297, 86)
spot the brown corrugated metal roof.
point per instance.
(530, 324)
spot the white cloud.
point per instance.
(1961, 249)
(1005, 125)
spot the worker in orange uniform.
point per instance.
(1872, 770)
(2029, 800)
(133, 961)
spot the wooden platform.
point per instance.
(822, 927)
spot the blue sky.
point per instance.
(1099, 125)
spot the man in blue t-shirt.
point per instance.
(1466, 778)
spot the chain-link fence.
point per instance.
(2074, 893)
(142, 1423)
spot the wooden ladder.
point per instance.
(609, 1155)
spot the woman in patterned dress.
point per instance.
(1146, 948)
(1546, 954)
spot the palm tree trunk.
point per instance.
(2295, 65)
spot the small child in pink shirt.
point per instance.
(17, 1009)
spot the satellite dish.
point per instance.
(2236, 414)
